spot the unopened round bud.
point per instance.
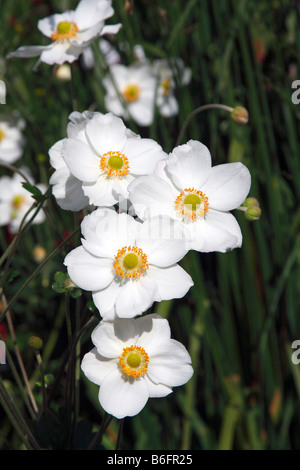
(253, 213)
(63, 72)
(250, 202)
(35, 342)
(39, 253)
(240, 115)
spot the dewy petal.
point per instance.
(173, 282)
(189, 165)
(150, 196)
(87, 271)
(135, 297)
(121, 396)
(165, 240)
(106, 133)
(95, 367)
(81, 161)
(219, 231)
(170, 364)
(227, 186)
(111, 337)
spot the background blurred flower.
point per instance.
(130, 92)
(12, 140)
(15, 201)
(71, 32)
(128, 265)
(187, 188)
(134, 360)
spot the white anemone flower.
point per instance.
(71, 32)
(15, 201)
(128, 265)
(188, 189)
(134, 360)
(67, 189)
(170, 73)
(130, 92)
(110, 157)
(12, 140)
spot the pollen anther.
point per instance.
(130, 262)
(191, 204)
(114, 164)
(134, 361)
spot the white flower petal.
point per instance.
(87, 271)
(227, 186)
(81, 161)
(89, 12)
(156, 390)
(170, 365)
(96, 367)
(106, 133)
(189, 165)
(111, 337)
(111, 29)
(101, 193)
(152, 330)
(105, 300)
(135, 297)
(143, 155)
(173, 282)
(219, 231)
(59, 53)
(30, 51)
(123, 397)
(164, 240)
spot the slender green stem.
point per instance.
(197, 111)
(106, 420)
(120, 432)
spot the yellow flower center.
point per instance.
(114, 164)
(65, 30)
(130, 262)
(166, 85)
(2, 135)
(18, 202)
(191, 204)
(131, 93)
(134, 361)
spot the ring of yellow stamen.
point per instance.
(134, 361)
(65, 30)
(191, 204)
(131, 93)
(18, 202)
(2, 135)
(130, 262)
(114, 164)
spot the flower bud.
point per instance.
(250, 202)
(240, 115)
(35, 342)
(63, 72)
(39, 253)
(253, 213)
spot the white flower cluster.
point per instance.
(128, 261)
(178, 202)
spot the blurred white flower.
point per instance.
(130, 92)
(12, 140)
(71, 32)
(105, 158)
(188, 189)
(134, 360)
(15, 200)
(170, 73)
(128, 265)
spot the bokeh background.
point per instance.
(240, 319)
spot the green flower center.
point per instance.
(130, 261)
(133, 360)
(115, 162)
(64, 27)
(192, 200)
